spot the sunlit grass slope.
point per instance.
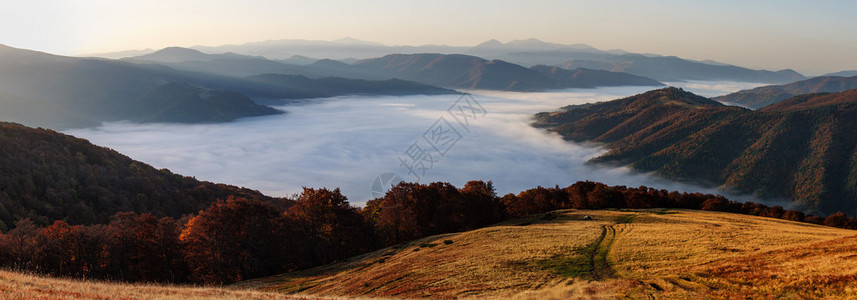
(622, 254)
(14, 285)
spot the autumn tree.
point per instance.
(236, 239)
(838, 219)
(18, 245)
(142, 247)
(333, 228)
(480, 205)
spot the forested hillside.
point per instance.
(803, 148)
(47, 176)
(767, 95)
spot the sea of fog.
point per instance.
(347, 142)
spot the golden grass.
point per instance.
(633, 254)
(15, 285)
(653, 254)
(491, 261)
(660, 244)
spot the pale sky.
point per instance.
(812, 37)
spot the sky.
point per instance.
(812, 37)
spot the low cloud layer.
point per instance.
(347, 142)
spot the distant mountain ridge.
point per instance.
(671, 68)
(228, 64)
(847, 73)
(803, 148)
(40, 89)
(456, 71)
(525, 52)
(64, 91)
(766, 95)
(588, 78)
(471, 72)
(446, 70)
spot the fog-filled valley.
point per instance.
(347, 142)
(428, 149)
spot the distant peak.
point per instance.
(490, 43)
(328, 62)
(174, 54)
(176, 49)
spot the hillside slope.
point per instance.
(766, 95)
(804, 149)
(47, 176)
(588, 78)
(628, 253)
(14, 285)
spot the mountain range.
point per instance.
(41, 89)
(471, 72)
(445, 70)
(57, 91)
(766, 95)
(526, 52)
(803, 148)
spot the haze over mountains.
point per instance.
(527, 53)
(444, 70)
(40, 89)
(189, 86)
(803, 148)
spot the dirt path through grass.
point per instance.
(601, 268)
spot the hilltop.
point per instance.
(803, 148)
(766, 95)
(620, 253)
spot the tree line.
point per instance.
(239, 238)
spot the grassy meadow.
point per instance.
(619, 254)
(630, 254)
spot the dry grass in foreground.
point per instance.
(14, 285)
(631, 254)
(620, 254)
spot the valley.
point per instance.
(428, 150)
(352, 140)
